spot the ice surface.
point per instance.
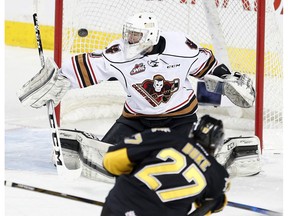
(28, 158)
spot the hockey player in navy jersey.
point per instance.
(161, 173)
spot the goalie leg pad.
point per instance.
(245, 166)
(70, 148)
(71, 159)
(44, 86)
(90, 150)
(240, 156)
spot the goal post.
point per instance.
(260, 50)
(235, 30)
(58, 25)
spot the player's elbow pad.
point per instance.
(117, 162)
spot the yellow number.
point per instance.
(136, 139)
(148, 175)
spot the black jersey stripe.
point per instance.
(85, 62)
(79, 69)
(83, 70)
(209, 65)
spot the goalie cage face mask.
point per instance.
(140, 32)
(209, 133)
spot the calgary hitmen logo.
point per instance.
(158, 90)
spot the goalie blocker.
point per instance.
(46, 85)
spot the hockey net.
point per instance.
(227, 27)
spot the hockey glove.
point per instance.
(238, 88)
(221, 202)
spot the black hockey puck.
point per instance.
(82, 32)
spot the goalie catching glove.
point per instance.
(46, 85)
(238, 88)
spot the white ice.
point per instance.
(28, 158)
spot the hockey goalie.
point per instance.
(240, 155)
(153, 67)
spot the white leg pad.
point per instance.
(245, 166)
(90, 150)
(240, 156)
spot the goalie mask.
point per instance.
(140, 32)
(209, 133)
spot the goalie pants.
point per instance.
(124, 127)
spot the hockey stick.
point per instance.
(204, 209)
(198, 212)
(38, 39)
(208, 205)
(254, 209)
(53, 193)
(57, 150)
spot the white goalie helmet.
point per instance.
(140, 32)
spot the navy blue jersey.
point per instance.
(161, 173)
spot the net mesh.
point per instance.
(226, 27)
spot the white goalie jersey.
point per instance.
(156, 84)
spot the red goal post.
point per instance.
(58, 44)
(235, 30)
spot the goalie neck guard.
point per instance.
(209, 133)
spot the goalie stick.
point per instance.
(57, 150)
(198, 212)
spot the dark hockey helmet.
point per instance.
(209, 133)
